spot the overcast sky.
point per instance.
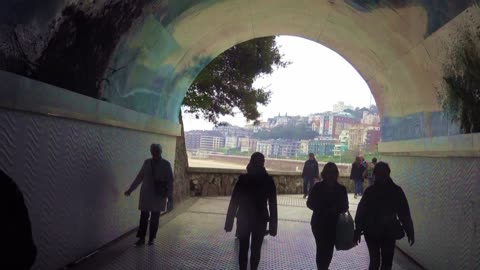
(316, 79)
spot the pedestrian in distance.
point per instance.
(19, 250)
(368, 173)
(156, 177)
(383, 216)
(309, 173)
(328, 199)
(251, 195)
(356, 174)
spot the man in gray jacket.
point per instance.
(156, 177)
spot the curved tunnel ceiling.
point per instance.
(385, 43)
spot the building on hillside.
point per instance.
(343, 137)
(231, 142)
(315, 124)
(332, 125)
(230, 130)
(211, 143)
(247, 144)
(192, 138)
(264, 147)
(372, 119)
(303, 147)
(372, 139)
(285, 148)
(322, 146)
(340, 107)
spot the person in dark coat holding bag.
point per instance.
(156, 177)
(383, 216)
(328, 199)
(250, 197)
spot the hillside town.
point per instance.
(331, 133)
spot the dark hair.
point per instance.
(330, 172)
(374, 160)
(382, 169)
(257, 163)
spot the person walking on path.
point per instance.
(309, 173)
(156, 177)
(383, 216)
(19, 248)
(368, 173)
(328, 199)
(356, 174)
(248, 203)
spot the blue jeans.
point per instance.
(307, 185)
(358, 186)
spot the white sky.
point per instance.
(316, 79)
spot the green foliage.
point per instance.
(289, 132)
(461, 99)
(227, 82)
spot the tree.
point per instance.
(288, 132)
(227, 81)
(461, 100)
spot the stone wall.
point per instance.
(220, 182)
(276, 164)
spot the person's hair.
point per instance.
(155, 147)
(311, 154)
(381, 170)
(374, 160)
(257, 163)
(358, 159)
(330, 172)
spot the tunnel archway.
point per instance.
(399, 47)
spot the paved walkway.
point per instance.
(193, 238)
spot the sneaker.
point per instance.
(150, 242)
(140, 242)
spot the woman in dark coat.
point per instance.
(249, 204)
(383, 216)
(356, 174)
(328, 200)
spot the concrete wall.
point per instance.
(443, 193)
(73, 172)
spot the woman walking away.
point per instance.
(249, 204)
(383, 216)
(328, 200)
(356, 174)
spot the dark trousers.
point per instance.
(307, 185)
(325, 243)
(380, 249)
(154, 219)
(256, 248)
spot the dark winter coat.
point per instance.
(379, 208)
(310, 169)
(357, 171)
(327, 202)
(19, 249)
(249, 202)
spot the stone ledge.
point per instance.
(238, 171)
(24, 94)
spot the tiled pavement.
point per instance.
(194, 239)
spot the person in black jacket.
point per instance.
(309, 173)
(356, 174)
(328, 199)
(249, 201)
(19, 249)
(383, 216)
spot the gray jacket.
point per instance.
(149, 200)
